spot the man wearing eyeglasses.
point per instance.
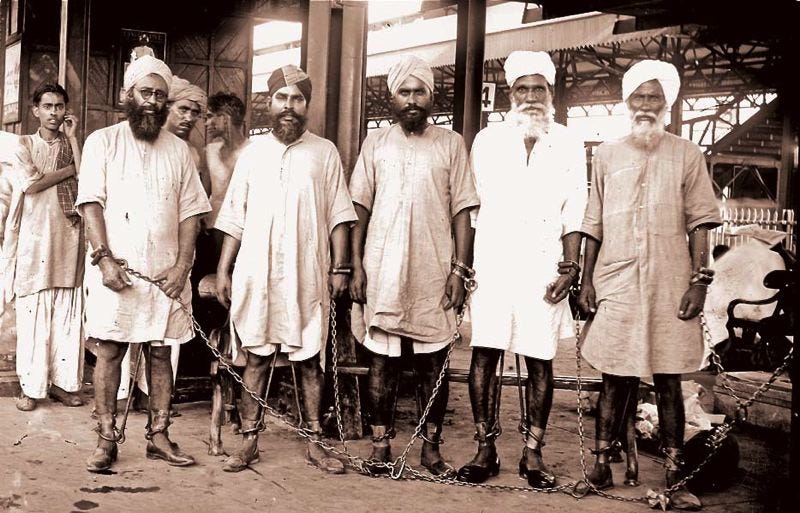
(521, 303)
(646, 225)
(141, 198)
(186, 104)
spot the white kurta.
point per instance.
(48, 250)
(527, 205)
(282, 203)
(146, 190)
(412, 185)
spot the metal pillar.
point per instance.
(470, 39)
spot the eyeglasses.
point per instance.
(147, 92)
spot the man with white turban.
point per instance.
(186, 103)
(531, 177)
(141, 199)
(413, 191)
(645, 279)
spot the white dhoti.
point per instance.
(50, 341)
(129, 363)
(385, 343)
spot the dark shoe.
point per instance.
(539, 477)
(442, 469)
(681, 498)
(381, 450)
(173, 456)
(601, 476)
(475, 472)
(25, 403)
(380, 455)
(102, 458)
(71, 399)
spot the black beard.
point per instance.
(412, 119)
(285, 130)
(145, 126)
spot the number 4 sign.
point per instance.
(487, 96)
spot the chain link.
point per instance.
(715, 440)
(399, 469)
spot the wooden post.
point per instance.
(316, 63)
(349, 109)
(352, 80)
(470, 39)
(62, 43)
(560, 106)
(76, 69)
(676, 115)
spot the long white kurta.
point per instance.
(146, 190)
(527, 205)
(413, 185)
(282, 203)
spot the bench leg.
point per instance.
(214, 434)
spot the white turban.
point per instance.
(143, 66)
(182, 89)
(644, 71)
(522, 63)
(409, 66)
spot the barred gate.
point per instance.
(769, 218)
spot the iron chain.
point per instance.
(399, 469)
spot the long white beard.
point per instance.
(531, 124)
(646, 134)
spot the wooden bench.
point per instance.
(462, 376)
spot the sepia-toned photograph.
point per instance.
(430, 256)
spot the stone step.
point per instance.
(9, 383)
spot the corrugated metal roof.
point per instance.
(561, 34)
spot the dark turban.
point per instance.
(290, 75)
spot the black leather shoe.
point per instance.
(471, 473)
(601, 477)
(537, 478)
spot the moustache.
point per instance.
(641, 116)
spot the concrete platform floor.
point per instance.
(44, 453)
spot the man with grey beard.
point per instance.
(141, 198)
(531, 177)
(286, 218)
(646, 225)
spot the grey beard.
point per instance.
(647, 136)
(532, 126)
